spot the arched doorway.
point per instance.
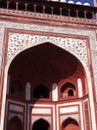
(70, 124)
(15, 124)
(68, 90)
(41, 125)
(41, 66)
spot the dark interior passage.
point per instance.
(40, 125)
(41, 91)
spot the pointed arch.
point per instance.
(44, 57)
(69, 124)
(68, 90)
(17, 55)
(43, 40)
(66, 85)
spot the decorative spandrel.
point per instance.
(18, 42)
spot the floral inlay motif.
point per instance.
(18, 42)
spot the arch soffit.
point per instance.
(68, 44)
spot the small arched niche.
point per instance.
(41, 91)
(15, 124)
(70, 124)
(68, 90)
(41, 124)
(16, 88)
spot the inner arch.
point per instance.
(43, 64)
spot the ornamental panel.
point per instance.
(18, 42)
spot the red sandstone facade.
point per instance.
(48, 66)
